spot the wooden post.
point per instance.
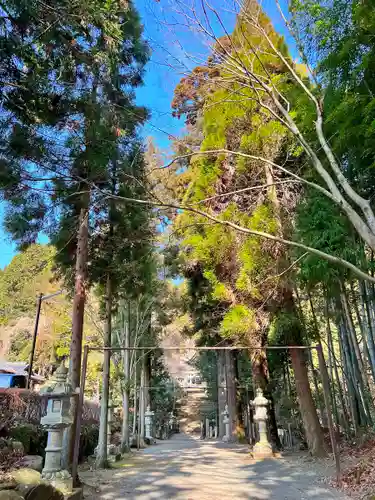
(102, 455)
(327, 402)
(139, 419)
(75, 352)
(31, 361)
(125, 444)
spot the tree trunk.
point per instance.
(370, 305)
(366, 319)
(135, 412)
(331, 376)
(361, 320)
(310, 420)
(322, 409)
(259, 367)
(79, 301)
(147, 388)
(75, 354)
(352, 393)
(222, 391)
(335, 378)
(357, 365)
(351, 330)
(313, 431)
(101, 457)
(125, 445)
(231, 393)
(240, 405)
(341, 383)
(288, 379)
(142, 401)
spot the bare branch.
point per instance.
(365, 227)
(252, 157)
(244, 190)
(298, 42)
(330, 258)
(289, 268)
(362, 203)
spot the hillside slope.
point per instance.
(29, 274)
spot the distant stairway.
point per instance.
(190, 412)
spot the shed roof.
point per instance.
(17, 368)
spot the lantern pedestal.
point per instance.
(226, 422)
(56, 420)
(149, 439)
(263, 448)
(113, 451)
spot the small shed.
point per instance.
(13, 374)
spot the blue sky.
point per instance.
(175, 49)
(7, 248)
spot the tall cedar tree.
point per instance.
(68, 73)
(122, 253)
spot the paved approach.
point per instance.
(189, 469)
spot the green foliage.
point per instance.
(33, 437)
(206, 173)
(163, 393)
(235, 268)
(28, 274)
(206, 363)
(219, 291)
(122, 244)
(88, 440)
(244, 287)
(210, 246)
(336, 238)
(252, 257)
(238, 322)
(76, 88)
(338, 39)
(219, 117)
(20, 346)
(286, 329)
(244, 368)
(205, 311)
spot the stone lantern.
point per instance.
(148, 424)
(226, 422)
(56, 420)
(263, 448)
(207, 428)
(172, 422)
(113, 451)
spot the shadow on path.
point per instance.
(190, 469)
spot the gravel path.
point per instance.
(189, 469)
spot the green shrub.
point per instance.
(88, 441)
(33, 438)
